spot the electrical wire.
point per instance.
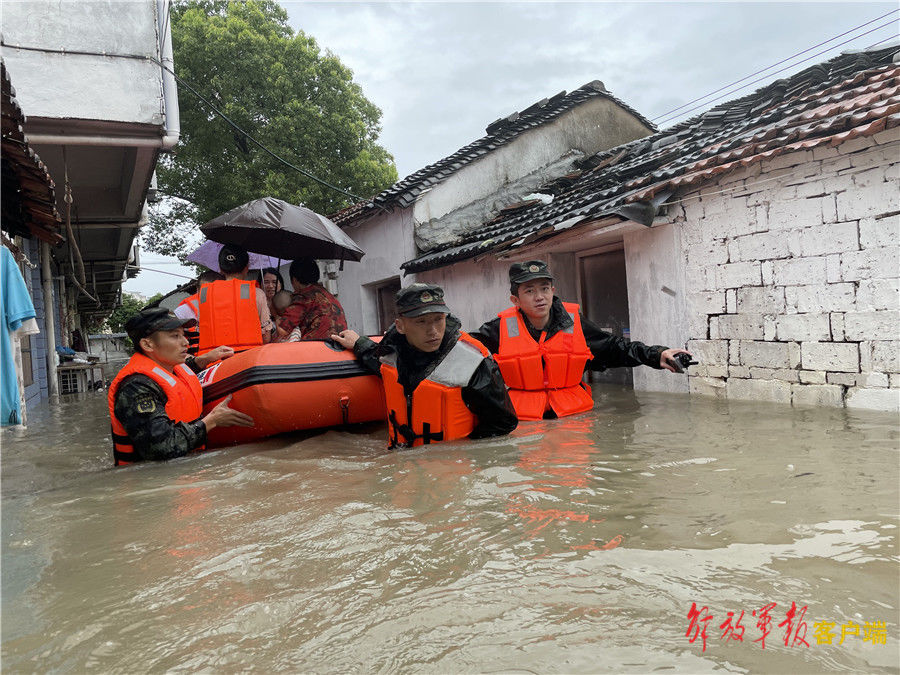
(875, 44)
(193, 90)
(778, 63)
(233, 125)
(732, 91)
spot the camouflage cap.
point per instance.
(418, 299)
(521, 272)
(152, 319)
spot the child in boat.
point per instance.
(280, 302)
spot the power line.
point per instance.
(789, 58)
(760, 79)
(875, 44)
(182, 81)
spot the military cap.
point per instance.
(152, 319)
(521, 272)
(418, 299)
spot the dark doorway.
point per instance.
(604, 291)
(386, 297)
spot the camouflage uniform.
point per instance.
(316, 312)
(140, 406)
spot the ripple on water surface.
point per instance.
(576, 545)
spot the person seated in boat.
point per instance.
(543, 346)
(189, 308)
(272, 283)
(439, 383)
(313, 310)
(156, 402)
(233, 311)
(280, 302)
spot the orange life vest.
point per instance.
(544, 375)
(193, 334)
(184, 399)
(228, 315)
(435, 411)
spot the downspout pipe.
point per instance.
(49, 321)
(170, 89)
(172, 131)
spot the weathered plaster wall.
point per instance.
(387, 240)
(475, 291)
(656, 299)
(478, 190)
(792, 278)
(79, 86)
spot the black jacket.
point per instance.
(609, 350)
(485, 395)
(140, 405)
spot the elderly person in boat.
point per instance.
(313, 311)
(156, 402)
(439, 383)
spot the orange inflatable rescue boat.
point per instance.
(291, 386)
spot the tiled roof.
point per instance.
(403, 193)
(851, 95)
(29, 200)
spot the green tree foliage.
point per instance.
(283, 90)
(120, 315)
(130, 306)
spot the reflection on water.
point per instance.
(576, 545)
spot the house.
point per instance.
(761, 234)
(451, 199)
(99, 108)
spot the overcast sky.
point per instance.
(442, 71)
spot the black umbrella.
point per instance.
(274, 227)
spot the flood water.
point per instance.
(571, 546)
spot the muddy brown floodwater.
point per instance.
(576, 545)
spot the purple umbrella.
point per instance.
(207, 254)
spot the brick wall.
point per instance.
(791, 268)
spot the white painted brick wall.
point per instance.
(776, 391)
(803, 327)
(761, 300)
(795, 285)
(874, 399)
(799, 271)
(765, 354)
(735, 275)
(835, 238)
(830, 356)
(762, 246)
(712, 352)
(882, 356)
(878, 232)
(884, 325)
(748, 326)
(817, 395)
(870, 263)
(820, 298)
(878, 294)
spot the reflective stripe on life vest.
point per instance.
(228, 315)
(193, 334)
(544, 374)
(435, 411)
(184, 399)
